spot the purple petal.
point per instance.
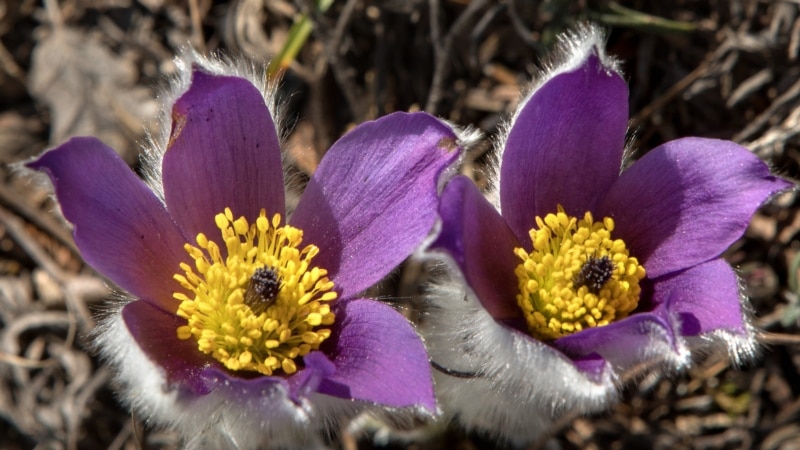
(705, 298)
(639, 338)
(120, 226)
(260, 390)
(296, 387)
(594, 366)
(223, 152)
(156, 332)
(565, 145)
(686, 201)
(697, 301)
(482, 245)
(317, 367)
(378, 356)
(372, 200)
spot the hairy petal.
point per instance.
(500, 381)
(686, 201)
(247, 413)
(372, 200)
(481, 244)
(379, 358)
(565, 145)
(223, 152)
(696, 302)
(174, 384)
(228, 413)
(120, 226)
(706, 298)
(645, 338)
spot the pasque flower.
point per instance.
(244, 328)
(582, 271)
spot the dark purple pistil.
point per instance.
(265, 285)
(595, 273)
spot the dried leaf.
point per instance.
(89, 90)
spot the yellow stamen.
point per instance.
(576, 277)
(266, 326)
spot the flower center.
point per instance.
(260, 307)
(576, 277)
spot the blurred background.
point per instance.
(715, 68)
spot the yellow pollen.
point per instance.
(576, 277)
(266, 326)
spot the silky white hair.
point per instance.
(493, 379)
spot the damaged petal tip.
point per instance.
(178, 123)
(448, 144)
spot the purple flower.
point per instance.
(582, 272)
(246, 328)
